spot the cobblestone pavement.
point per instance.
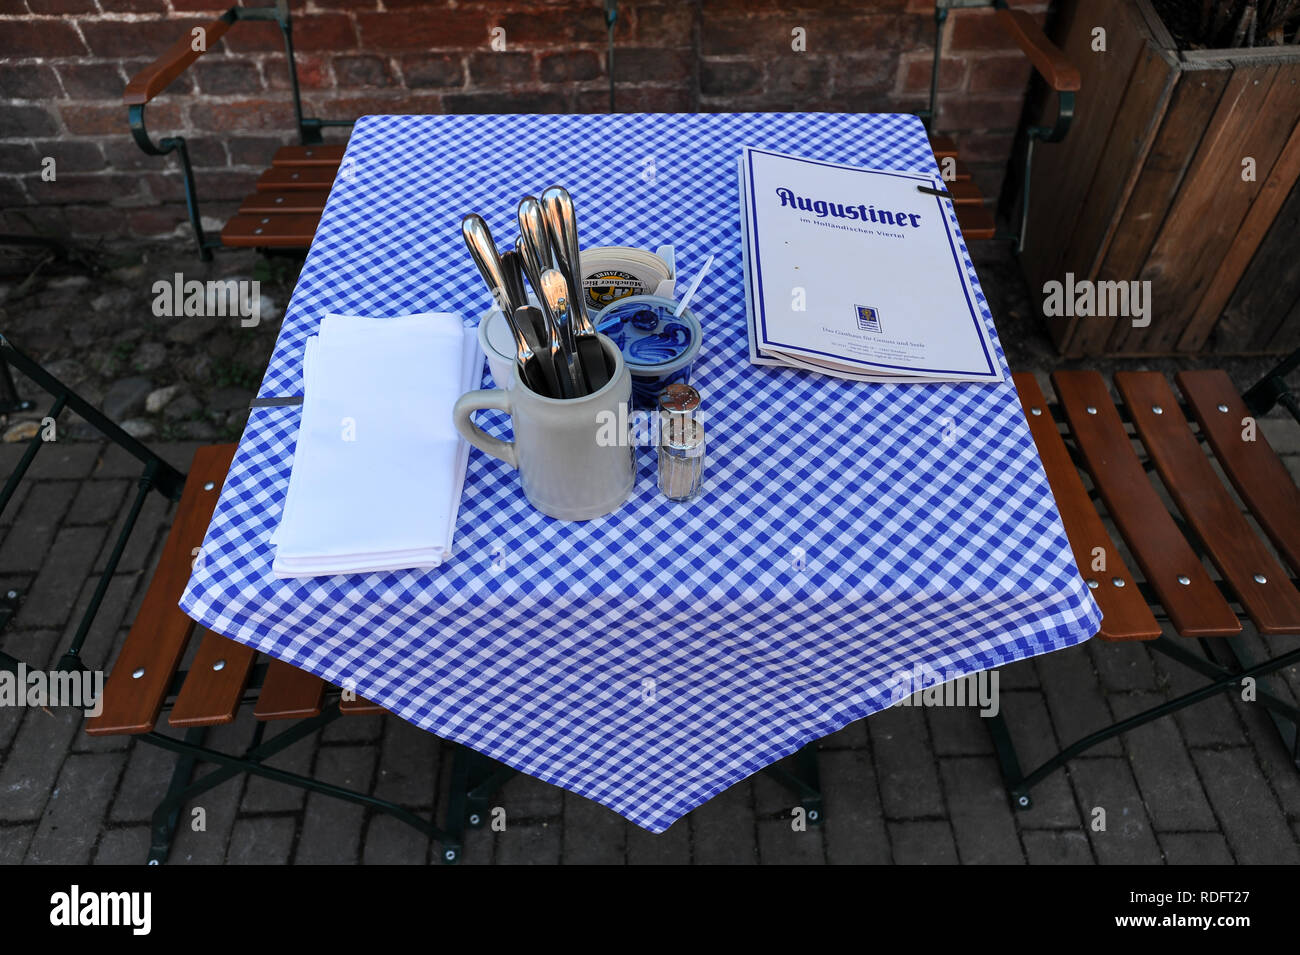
(909, 785)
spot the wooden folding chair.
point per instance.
(1057, 73)
(285, 208)
(147, 680)
(1086, 432)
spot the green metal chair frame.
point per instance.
(1224, 662)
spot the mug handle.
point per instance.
(495, 399)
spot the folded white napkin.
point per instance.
(378, 468)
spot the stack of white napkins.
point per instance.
(379, 466)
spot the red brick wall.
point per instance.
(64, 63)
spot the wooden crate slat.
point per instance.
(1280, 181)
(214, 684)
(1286, 339)
(1264, 301)
(1156, 188)
(1207, 223)
(1125, 614)
(1063, 172)
(1147, 97)
(1253, 466)
(1196, 608)
(156, 642)
(1259, 581)
(288, 693)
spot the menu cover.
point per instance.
(857, 273)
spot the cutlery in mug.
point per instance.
(555, 292)
(527, 319)
(478, 239)
(562, 227)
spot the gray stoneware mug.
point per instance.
(574, 455)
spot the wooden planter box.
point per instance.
(1148, 186)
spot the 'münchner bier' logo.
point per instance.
(842, 210)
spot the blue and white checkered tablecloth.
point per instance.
(652, 658)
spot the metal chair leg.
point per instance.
(483, 785)
(251, 762)
(1286, 719)
(1012, 774)
(1221, 679)
(167, 813)
(804, 782)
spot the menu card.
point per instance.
(857, 273)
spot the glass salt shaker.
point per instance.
(681, 443)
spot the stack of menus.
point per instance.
(857, 273)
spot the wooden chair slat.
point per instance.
(976, 222)
(214, 685)
(359, 707)
(270, 231)
(1196, 608)
(296, 178)
(1125, 614)
(320, 155)
(1259, 581)
(1253, 466)
(300, 202)
(289, 693)
(943, 147)
(157, 639)
(961, 172)
(965, 193)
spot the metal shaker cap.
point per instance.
(679, 399)
(685, 437)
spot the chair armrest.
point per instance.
(1060, 74)
(158, 75)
